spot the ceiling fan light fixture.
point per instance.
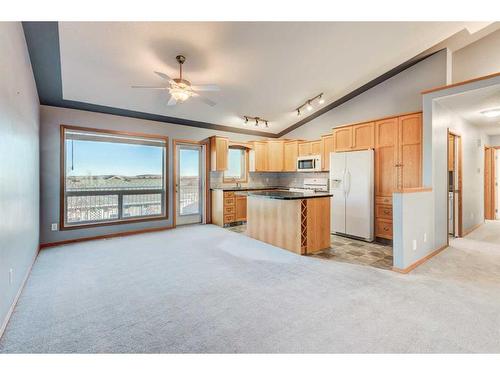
(179, 94)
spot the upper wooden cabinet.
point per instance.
(310, 148)
(451, 153)
(342, 139)
(219, 147)
(354, 137)
(326, 148)
(276, 155)
(259, 157)
(363, 136)
(291, 151)
(398, 154)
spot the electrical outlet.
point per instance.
(425, 237)
(414, 245)
(53, 227)
(11, 276)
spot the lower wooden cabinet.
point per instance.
(227, 207)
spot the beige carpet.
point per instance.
(204, 289)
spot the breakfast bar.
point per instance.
(298, 222)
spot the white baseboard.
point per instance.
(16, 298)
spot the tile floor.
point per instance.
(349, 250)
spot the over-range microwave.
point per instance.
(310, 163)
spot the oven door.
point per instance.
(306, 164)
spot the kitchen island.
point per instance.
(298, 222)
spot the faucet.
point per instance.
(238, 184)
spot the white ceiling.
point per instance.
(469, 105)
(264, 69)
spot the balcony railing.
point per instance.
(94, 206)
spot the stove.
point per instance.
(312, 185)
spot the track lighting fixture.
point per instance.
(308, 104)
(257, 120)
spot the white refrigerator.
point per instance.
(352, 186)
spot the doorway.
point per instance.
(454, 182)
(189, 175)
(490, 185)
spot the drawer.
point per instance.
(228, 218)
(383, 228)
(383, 200)
(229, 194)
(229, 209)
(383, 211)
(229, 201)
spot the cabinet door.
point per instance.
(241, 208)
(219, 148)
(343, 139)
(305, 149)
(410, 151)
(451, 152)
(363, 136)
(316, 148)
(386, 138)
(275, 154)
(326, 148)
(291, 151)
(260, 149)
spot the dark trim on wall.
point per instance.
(42, 40)
(367, 86)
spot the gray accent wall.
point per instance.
(399, 94)
(19, 165)
(52, 117)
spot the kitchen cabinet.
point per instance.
(363, 136)
(398, 164)
(227, 207)
(219, 147)
(291, 151)
(310, 148)
(259, 157)
(276, 155)
(451, 153)
(240, 208)
(342, 139)
(354, 137)
(327, 146)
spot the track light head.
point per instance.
(298, 111)
(321, 100)
(309, 106)
(246, 119)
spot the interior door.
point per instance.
(337, 188)
(359, 194)
(189, 184)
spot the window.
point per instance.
(236, 165)
(111, 177)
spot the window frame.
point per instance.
(244, 179)
(62, 180)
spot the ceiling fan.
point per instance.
(180, 89)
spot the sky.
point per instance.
(101, 158)
(106, 158)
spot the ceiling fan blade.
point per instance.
(211, 103)
(171, 102)
(150, 87)
(164, 76)
(205, 87)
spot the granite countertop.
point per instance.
(234, 188)
(286, 195)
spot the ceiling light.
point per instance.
(246, 119)
(298, 112)
(257, 120)
(309, 106)
(309, 103)
(180, 94)
(491, 112)
(321, 100)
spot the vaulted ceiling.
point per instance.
(264, 69)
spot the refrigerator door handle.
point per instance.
(348, 174)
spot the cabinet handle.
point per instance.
(387, 212)
(386, 229)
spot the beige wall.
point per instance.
(477, 59)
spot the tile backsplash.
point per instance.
(256, 179)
